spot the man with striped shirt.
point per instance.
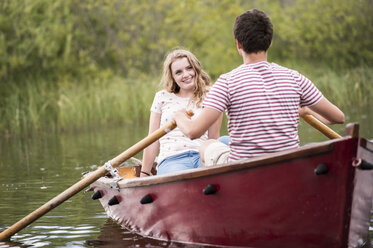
(262, 100)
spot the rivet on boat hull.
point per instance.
(96, 195)
(209, 190)
(146, 199)
(321, 169)
(113, 201)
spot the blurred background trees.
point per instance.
(80, 38)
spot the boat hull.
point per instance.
(273, 201)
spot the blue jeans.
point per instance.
(183, 161)
(224, 140)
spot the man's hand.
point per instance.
(198, 126)
(180, 114)
(303, 111)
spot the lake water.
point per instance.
(35, 169)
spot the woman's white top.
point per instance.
(175, 142)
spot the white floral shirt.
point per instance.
(175, 142)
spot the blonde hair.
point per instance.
(202, 78)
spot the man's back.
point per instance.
(262, 101)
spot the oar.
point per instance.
(115, 162)
(328, 132)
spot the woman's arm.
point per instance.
(325, 111)
(150, 153)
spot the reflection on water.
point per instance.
(35, 169)
(113, 235)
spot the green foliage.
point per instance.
(37, 38)
(72, 38)
(62, 62)
(338, 32)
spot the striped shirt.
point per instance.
(261, 100)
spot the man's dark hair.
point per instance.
(254, 30)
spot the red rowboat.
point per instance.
(319, 195)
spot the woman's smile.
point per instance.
(184, 76)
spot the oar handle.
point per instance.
(328, 132)
(86, 181)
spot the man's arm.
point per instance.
(197, 127)
(325, 111)
(214, 129)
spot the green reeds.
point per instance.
(40, 106)
(26, 106)
(345, 88)
(113, 102)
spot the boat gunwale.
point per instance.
(308, 150)
(367, 144)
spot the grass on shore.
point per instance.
(36, 105)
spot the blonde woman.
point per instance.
(185, 86)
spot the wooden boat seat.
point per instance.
(133, 168)
(127, 172)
